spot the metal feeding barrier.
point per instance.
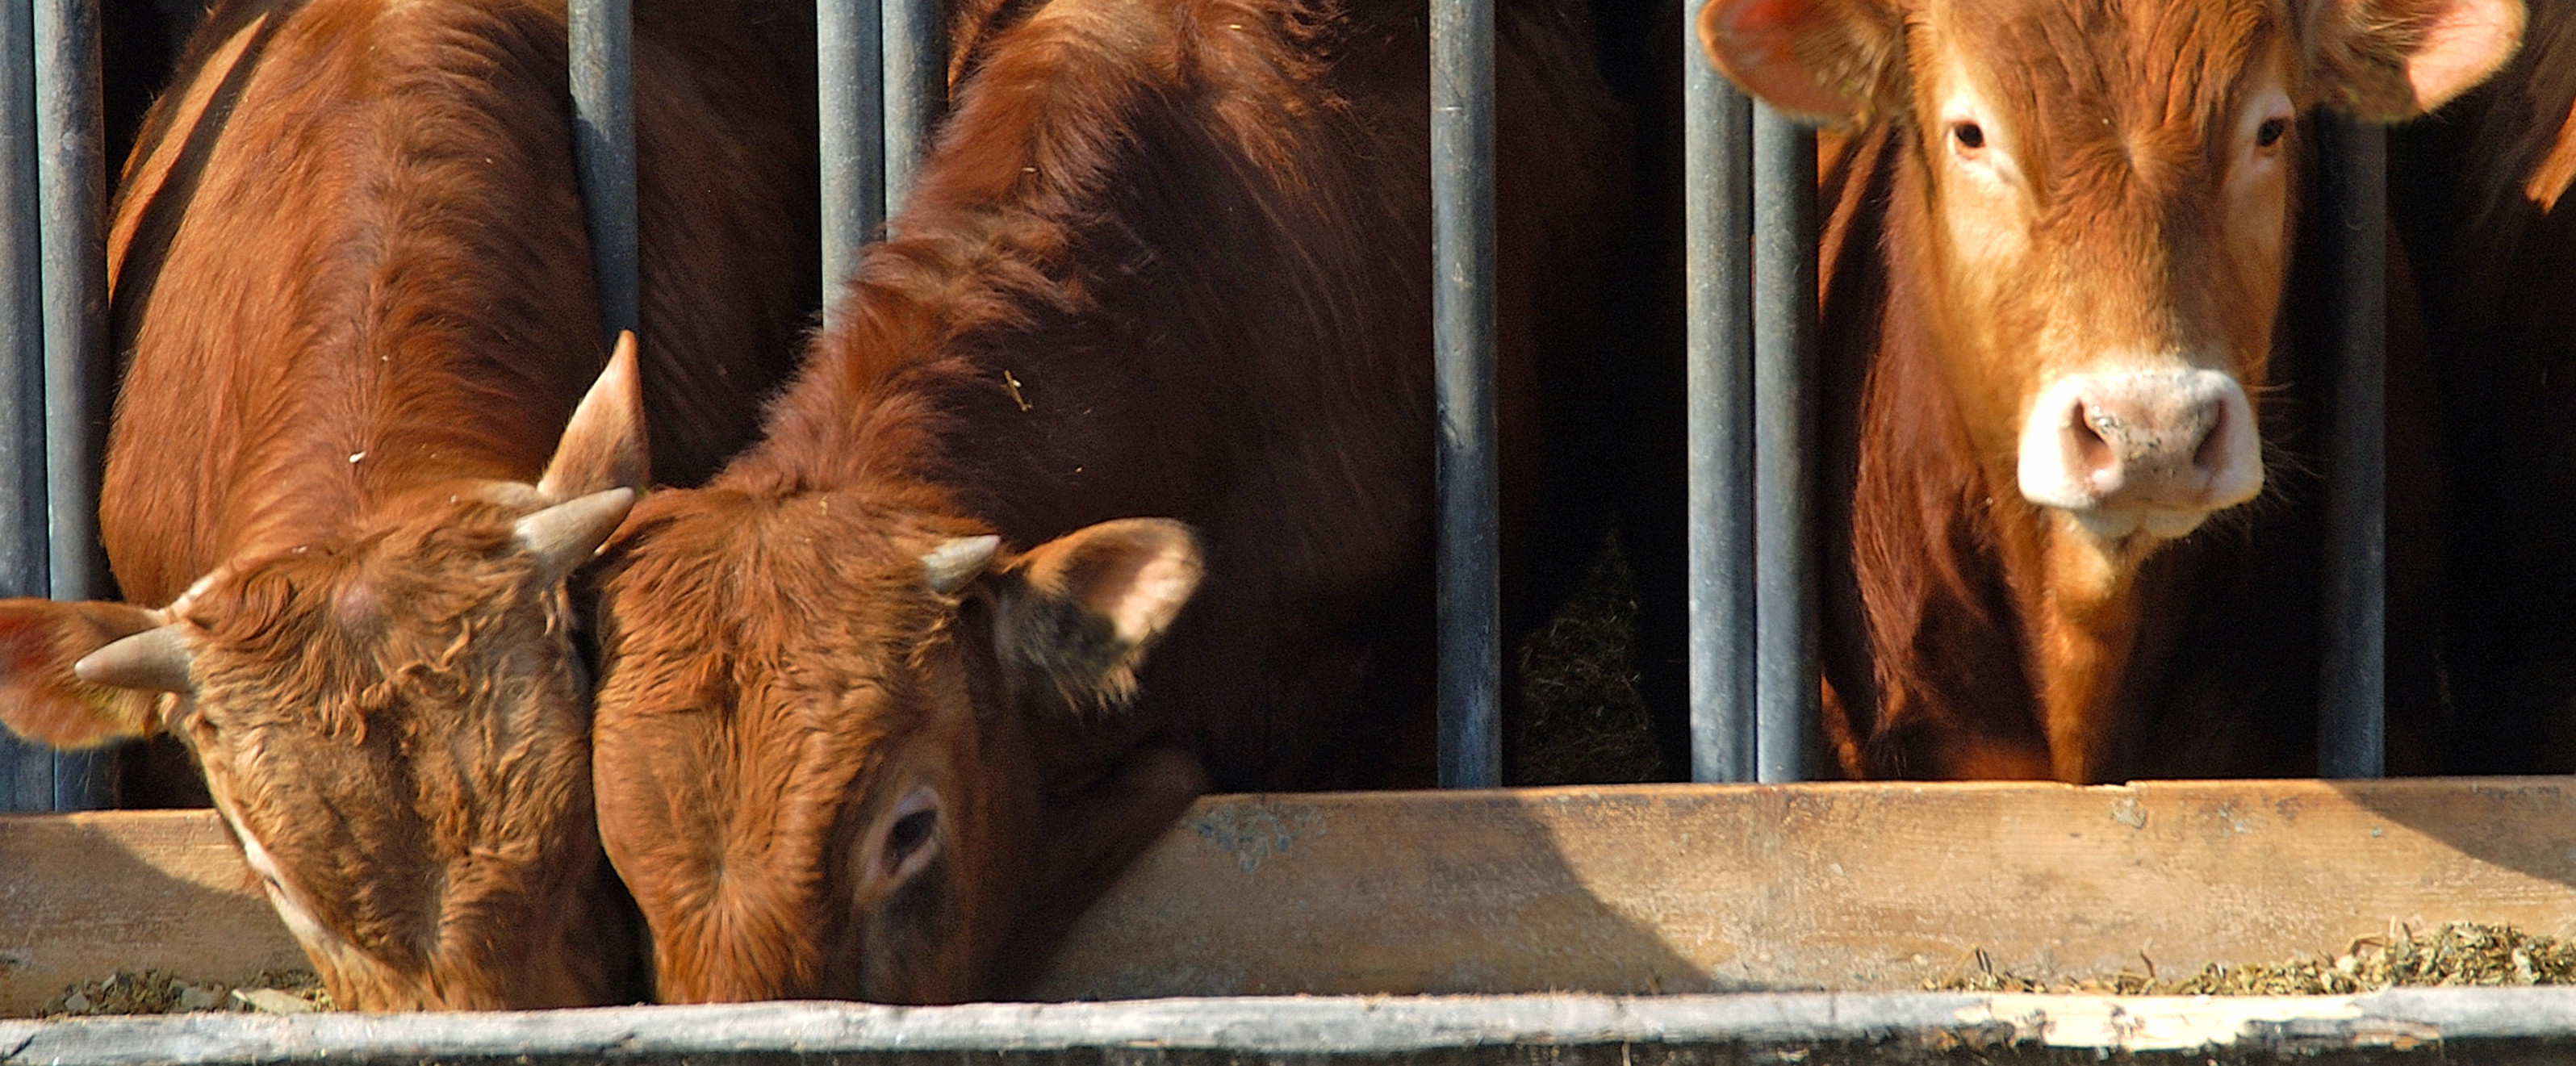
(53, 295)
(1752, 372)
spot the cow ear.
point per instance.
(1080, 611)
(603, 447)
(42, 700)
(2390, 60)
(1822, 60)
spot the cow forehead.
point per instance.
(714, 589)
(2068, 65)
(455, 555)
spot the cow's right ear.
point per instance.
(1078, 613)
(42, 700)
(1831, 61)
(604, 446)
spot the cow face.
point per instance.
(2105, 189)
(812, 765)
(394, 724)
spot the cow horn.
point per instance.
(564, 536)
(951, 565)
(154, 660)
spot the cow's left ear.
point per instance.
(42, 700)
(603, 446)
(1079, 612)
(2391, 60)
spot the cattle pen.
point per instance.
(1750, 916)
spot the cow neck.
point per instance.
(382, 444)
(1922, 620)
(972, 353)
(382, 344)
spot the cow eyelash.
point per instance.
(2270, 132)
(1969, 135)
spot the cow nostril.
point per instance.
(2095, 432)
(2211, 456)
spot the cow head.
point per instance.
(393, 723)
(815, 756)
(2108, 186)
(2099, 200)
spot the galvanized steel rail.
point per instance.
(915, 46)
(2352, 693)
(57, 253)
(1462, 314)
(26, 770)
(850, 85)
(1717, 157)
(1787, 695)
(603, 141)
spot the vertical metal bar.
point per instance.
(1717, 158)
(849, 58)
(1462, 302)
(1788, 691)
(71, 179)
(2352, 733)
(916, 91)
(603, 141)
(24, 567)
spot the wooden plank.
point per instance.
(1631, 889)
(84, 895)
(2439, 1025)
(1876, 886)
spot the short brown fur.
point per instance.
(1168, 259)
(351, 274)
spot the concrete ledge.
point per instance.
(2470, 1024)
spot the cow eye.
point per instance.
(2269, 133)
(1970, 135)
(907, 835)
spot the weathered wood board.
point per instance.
(1629, 889)
(1878, 886)
(85, 895)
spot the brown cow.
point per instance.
(874, 716)
(2492, 188)
(2057, 260)
(350, 263)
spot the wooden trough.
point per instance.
(1626, 891)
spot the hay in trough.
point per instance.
(155, 992)
(1580, 718)
(2455, 953)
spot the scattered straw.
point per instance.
(155, 992)
(1580, 718)
(2456, 953)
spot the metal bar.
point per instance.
(603, 141)
(1787, 688)
(1717, 151)
(24, 567)
(2352, 692)
(1462, 301)
(71, 179)
(916, 91)
(849, 57)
